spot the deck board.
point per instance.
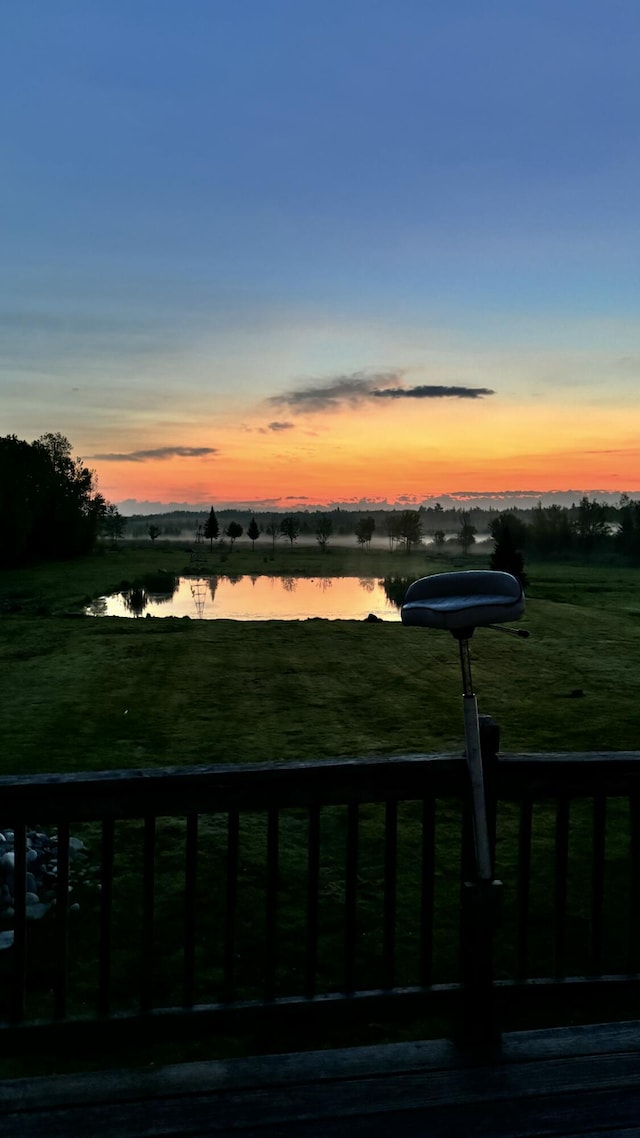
(563, 1082)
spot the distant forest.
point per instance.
(587, 528)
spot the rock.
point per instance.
(6, 939)
(36, 911)
(373, 619)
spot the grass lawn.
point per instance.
(102, 693)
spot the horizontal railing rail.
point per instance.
(214, 897)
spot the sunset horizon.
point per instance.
(291, 254)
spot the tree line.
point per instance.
(587, 529)
(50, 508)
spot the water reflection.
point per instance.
(395, 588)
(255, 597)
(135, 601)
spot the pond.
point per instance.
(260, 598)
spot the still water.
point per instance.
(257, 598)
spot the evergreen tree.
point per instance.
(253, 532)
(211, 527)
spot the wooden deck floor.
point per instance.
(568, 1081)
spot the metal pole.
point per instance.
(474, 762)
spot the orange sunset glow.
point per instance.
(391, 455)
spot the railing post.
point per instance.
(479, 908)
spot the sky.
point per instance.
(290, 253)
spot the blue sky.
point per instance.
(205, 205)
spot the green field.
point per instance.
(86, 694)
(111, 693)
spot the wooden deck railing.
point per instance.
(216, 897)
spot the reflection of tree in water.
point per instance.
(160, 598)
(213, 585)
(232, 578)
(289, 584)
(324, 583)
(136, 601)
(161, 584)
(368, 584)
(395, 589)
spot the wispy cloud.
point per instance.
(276, 426)
(432, 391)
(339, 391)
(361, 387)
(157, 453)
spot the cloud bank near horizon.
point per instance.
(490, 499)
(352, 390)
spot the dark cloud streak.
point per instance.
(334, 393)
(160, 453)
(432, 391)
(361, 387)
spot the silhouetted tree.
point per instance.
(591, 524)
(154, 532)
(113, 523)
(409, 528)
(290, 527)
(550, 531)
(49, 507)
(233, 531)
(273, 529)
(324, 529)
(253, 532)
(507, 531)
(211, 528)
(365, 530)
(467, 534)
(439, 538)
(627, 539)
